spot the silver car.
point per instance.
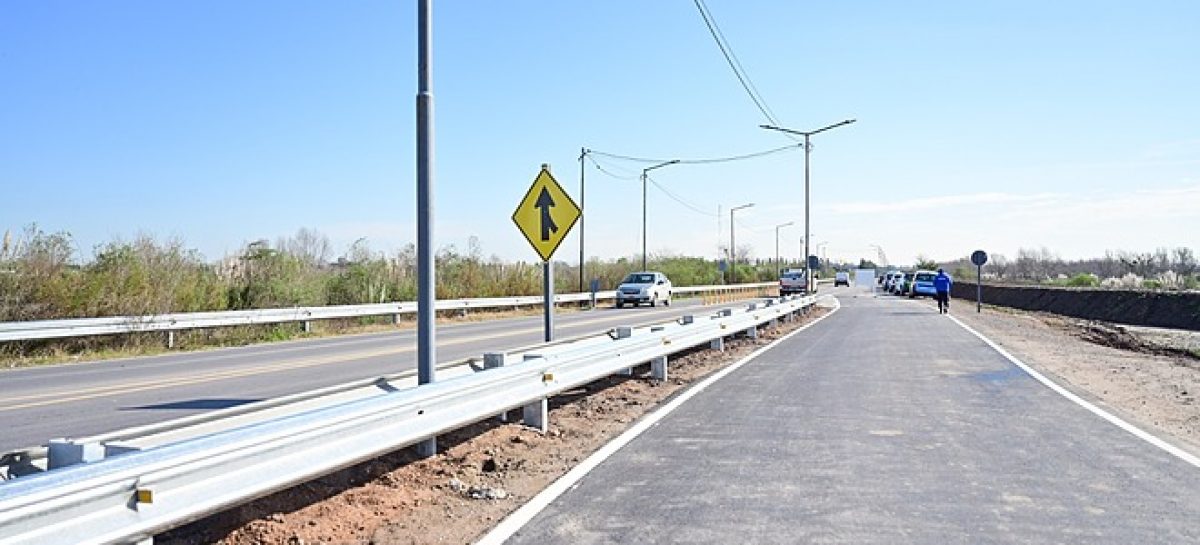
(644, 287)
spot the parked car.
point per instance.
(899, 283)
(888, 278)
(841, 278)
(791, 281)
(644, 287)
(922, 284)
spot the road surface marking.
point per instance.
(519, 518)
(1116, 421)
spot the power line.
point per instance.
(679, 199)
(703, 161)
(610, 174)
(734, 63)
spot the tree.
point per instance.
(924, 263)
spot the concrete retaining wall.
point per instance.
(1179, 310)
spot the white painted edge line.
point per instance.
(519, 518)
(1112, 419)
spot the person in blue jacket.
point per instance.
(941, 284)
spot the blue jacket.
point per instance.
(942, 282)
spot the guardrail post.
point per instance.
(658, 368)
(726, 312)
(687, 319)
(752, 332)
(306, 326)
(537, 415)
(717, 344)
(752, 306)
(170, 339)
(396, 319)
(493, 360)
(65, 452)
(625, 332)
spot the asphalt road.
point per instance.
(885, 423)
(37, 404)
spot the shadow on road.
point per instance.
(205, 404)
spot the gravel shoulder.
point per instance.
(480, 474)
(1148, 376)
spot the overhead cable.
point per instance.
(704, 161)
(735, 64)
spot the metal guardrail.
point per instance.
(82, 327)
(132, 496)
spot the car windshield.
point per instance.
(925, 277)
(639, 278)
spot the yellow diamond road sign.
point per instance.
(546, 214)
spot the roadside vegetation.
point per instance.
(44, 276)
(1162, 269)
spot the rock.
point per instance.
(517, 439)
(487, 493)
(457, 485)
(489, 465)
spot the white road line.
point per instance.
(519, 518)
(1114, 420)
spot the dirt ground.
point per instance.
(1148, 376)
(479, 476)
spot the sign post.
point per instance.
(979, 258)
(545, 215)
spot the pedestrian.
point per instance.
(941, 284)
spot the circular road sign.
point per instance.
(979, 258)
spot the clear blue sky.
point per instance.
(998, 125)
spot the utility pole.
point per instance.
(426, 347)
(778, 268)
(807, 215)
(732, 247)
(644, 177)
(582, 214)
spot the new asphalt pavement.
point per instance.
(885, 423)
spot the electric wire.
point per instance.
(680, 200)
(734, 64)
(703, 161)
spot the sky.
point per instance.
(1068, 125)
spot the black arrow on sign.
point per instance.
(544, 201)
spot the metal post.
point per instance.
(644, 219)
(732, 251)
(426, 349)
(807, 221)
(582, 154)
(978, 289)
(548, 303)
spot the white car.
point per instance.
(644, 287)
(841, 278)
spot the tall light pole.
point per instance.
(777, 269)
(644, 171)
(732, 247)
(582, 155)
(879, 253)
(426, 349)
(807, 216)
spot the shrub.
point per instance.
(1083, 280)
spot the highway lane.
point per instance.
(885, 423)
(38, 404)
